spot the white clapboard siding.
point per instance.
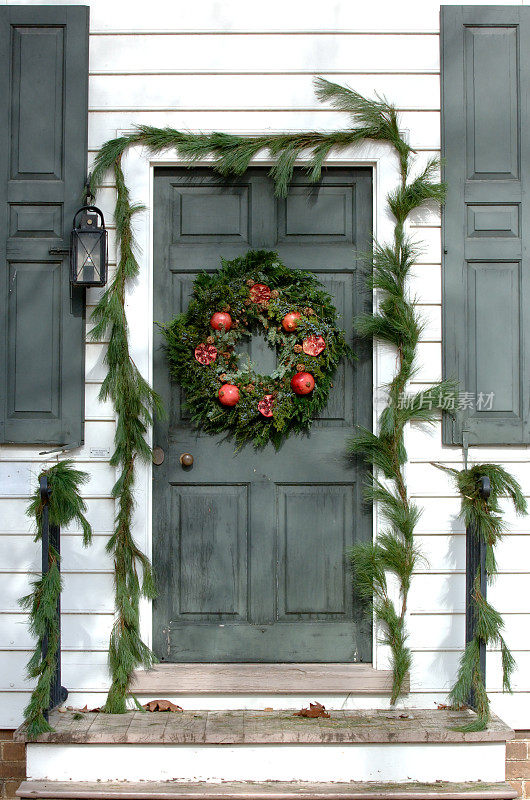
(437, 592)
(428, 362)
(436, 669)
(429, 632)
(95, 409)
(442, 553)
(426, 283)
(20, 553)
(240, 92)
(78, 632)
(92, 591)
(431, 316)
(424, 443)
(429, 243)
(100, 512)
(252, 53)
(439, 515)
(95, 368)
(446, 553)
(422, 477)
(382, 15)
(80, 670)
(22, 480)
(432, 631)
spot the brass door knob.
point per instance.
(186, 459)
(158, 456)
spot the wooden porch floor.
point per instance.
(264, 727)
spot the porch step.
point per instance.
(269, 727)
(32, 790)
(384, 746)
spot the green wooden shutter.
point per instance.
(486, 221)
(43, 151)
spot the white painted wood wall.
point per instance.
(240, 66)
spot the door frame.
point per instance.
(139, 176)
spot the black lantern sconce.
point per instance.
(88, 248)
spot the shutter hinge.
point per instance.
(465, 445)
(61, 448)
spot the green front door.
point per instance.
(249, 548)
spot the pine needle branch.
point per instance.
(396, 323)
(65, 505)
(135, 403)
(483, 516)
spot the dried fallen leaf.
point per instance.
(161, 705)
(315, 710)
(61, 710)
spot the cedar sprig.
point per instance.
(483, 518)
(65, 505)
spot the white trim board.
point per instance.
(283, 762)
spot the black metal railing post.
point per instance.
(50, 536)
(475, 561)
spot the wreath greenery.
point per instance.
(251, 294)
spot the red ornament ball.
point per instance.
(259, 293)
(314, 345)
(221, 320)
(265, 405)
(302, 383)
(229, 394)
(205, 353)
(290, 321)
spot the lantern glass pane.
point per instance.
(90, 253)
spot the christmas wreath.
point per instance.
(255, 293)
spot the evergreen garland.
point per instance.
(484, 518)
(232, 154)
(279, 292)
(134, 401)
(65, 505)
(396, 323)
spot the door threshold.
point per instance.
(244, 678)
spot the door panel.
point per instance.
(211, 537)
(305, 512)
(249, 548)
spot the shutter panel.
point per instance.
(486, 219)
(43, 151)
